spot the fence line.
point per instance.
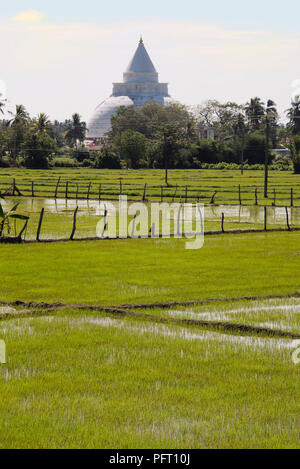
(92, 190)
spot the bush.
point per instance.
(65, 163)
(4, 163)
(87, 163)
(107, 159)
(37, 150)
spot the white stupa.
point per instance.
(140, 85)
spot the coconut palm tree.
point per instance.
(255, 111)
(19, 120)
(272, 115)
(293, 113)
(42, 123)
(76, 132)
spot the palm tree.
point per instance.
(20, 117)
(42, 123)
(19, 120)
(272, 115)
(255, 111)
(76, 132)
(293, 113)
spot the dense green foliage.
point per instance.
(37, 150)
(153, 136)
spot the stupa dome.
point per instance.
(140, 85)
(100, 123)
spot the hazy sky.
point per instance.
(61, 57)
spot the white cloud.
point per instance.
(63, 68)
(29, 16)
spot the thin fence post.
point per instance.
(274, 197)
(240, 200)
(32, 188)
(23, 229)
(99, 192)
(77, 189)
(265, 218)
(56, 189)
(74, 224)
(144, 195)
(186, 194)
(88, 192)
(256, 200)
(40, 224)
(121, 187)
(67, 188)
(212, 200)
(223, 219)
(292, 197)
(287, 218)
(14, 186)
(162, 194)
(175, 193)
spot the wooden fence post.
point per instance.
(74, 224)
(240, 200)
(99, 192)
(274, 197)
(32, 188)
(186, 194)
(175, 193)
(144, 195)
(212, 200)
(256, 200)
(23, 229)
(121, 187)
(287, 218)
(223, 219)
(162, 194)
(40, 224)
(56, 189)
(88, 192)
(67, 189)
(14, 186)
(265, 218)
(292, 197)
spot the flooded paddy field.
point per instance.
(107, 381)
(193, 185)
(58, 217)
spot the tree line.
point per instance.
(156, 136)
(33, 142)
(153, 136)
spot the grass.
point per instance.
(276, 313)
(84, 379)
(89, 381)
(124, 271)
(58, 217)
(201, 184)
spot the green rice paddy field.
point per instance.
(141, 376)
(201, 184)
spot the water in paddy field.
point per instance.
(58, 217)
(239, 213)
(252, 214)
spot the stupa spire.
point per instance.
(141, 62)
